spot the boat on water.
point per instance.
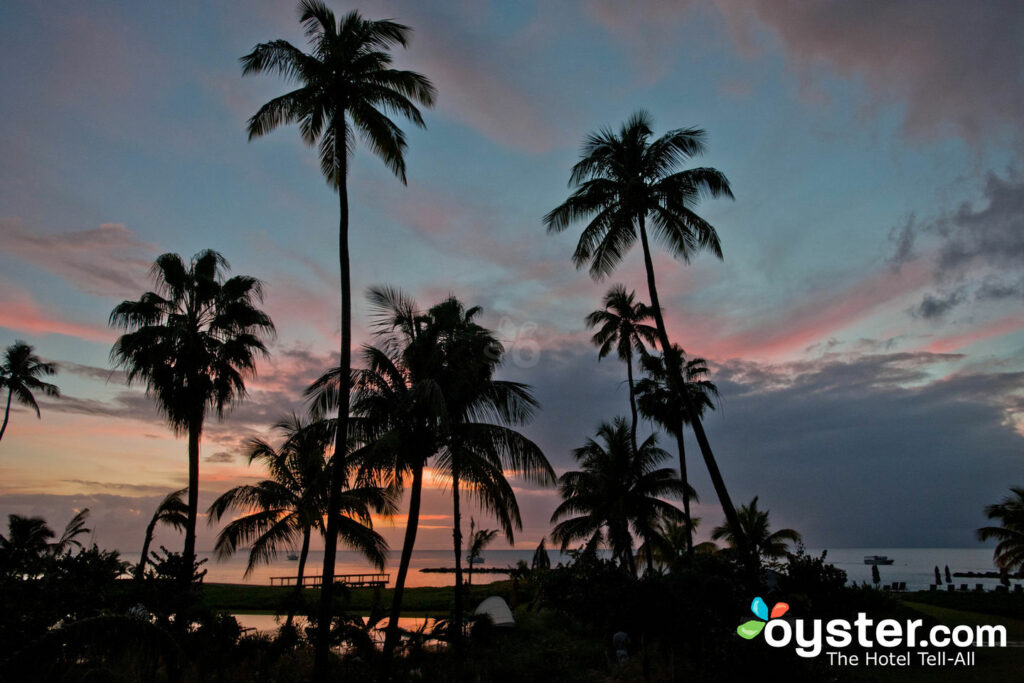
(878, 559)
(293, 557)
(475, 560)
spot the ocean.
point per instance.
(913, 566)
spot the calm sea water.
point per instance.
(913, 566)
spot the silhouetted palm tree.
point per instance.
(28, 543)
(74, 528)
(622, 327)
(617, 493)
(19, 374)
(625, 181)
(478, 540)
(480, 444)
(541, 559)
(764, 543)
(346, 85)
(1009, 552)
(172, 511)
(428, 391)
(658, 403)
(396, 408)
(193, 342)
(287, 508)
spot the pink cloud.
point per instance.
(22, 314)
(817, 318)
(995, 328)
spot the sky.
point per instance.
(865, 327)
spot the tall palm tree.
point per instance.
(624, 181)
(480, 445)
(428, 392)
(287, 508)
(396, 409)
(1009, 552)
(622, 326)
(193, 342)
(617, 494)
(763, 542)
(346, 85)
(658, 403)
(19, 374)
(172, 511)
(478, 540)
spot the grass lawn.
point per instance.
(991, 664)
(416, 602)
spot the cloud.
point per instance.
(979, 246)
(220, 457)
(93, 372)
(107, 261)
(20, 312)
(954, 67)
(992, 234)
(996, 289)
(902, 238)
(868, 450)
(935, 306)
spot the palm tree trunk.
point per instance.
(324, 614)
(678, 386)
(302, 572)
(457, 540)
(195, 430)
(632, 400)
(145, 549)
(681, 447)
(411, 524)
(7, 414)
(627, 550)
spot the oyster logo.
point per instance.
(752, 628)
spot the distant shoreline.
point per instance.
(476, 570)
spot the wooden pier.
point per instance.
(351, 580)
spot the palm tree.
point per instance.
(172, 511)
(28, 543)
(480, 444)
(658, 403)
(763, 542)
(478, 540)
(622, 326)
(279, 511)
(396, 408)
(19, 374)
(74, 528)
(345, 85)
(618, 493)
(669, 546)
(193, 342)
(428, 392)
(1009, 552)
(622, 180)
(541, 559)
